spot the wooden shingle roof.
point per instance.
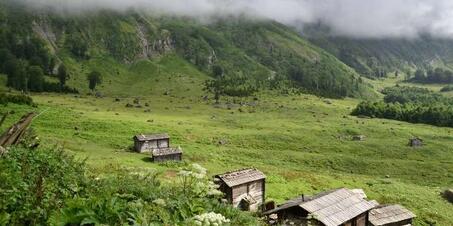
(337, 207)
(242, 176)
(148, 137)
(296, 202)
(387, 214)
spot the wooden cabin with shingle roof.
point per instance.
(332, 208)
(244, 189)
(390, 215)
(148, 143)
(159, 147)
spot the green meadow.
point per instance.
(303, 143)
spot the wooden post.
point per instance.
(13, 135)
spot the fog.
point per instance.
(353, 18)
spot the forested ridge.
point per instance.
(378, 57)
(253, 55)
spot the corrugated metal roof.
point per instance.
(242, 176)
(337, 207)
(387, 214)
(148, 137)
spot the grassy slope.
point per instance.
(258, 51)
(388, 54)
(146, 77)
(300, 142)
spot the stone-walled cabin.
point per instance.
(333, 208)
(148, 143)
(244, 189)
(390, 215)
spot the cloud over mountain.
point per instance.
(355, 18)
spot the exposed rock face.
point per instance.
(45, 32)
(212, 58)
(144, 43)
(163, 44)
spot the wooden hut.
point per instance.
(148, 143)
(332, 208)
(167, 154)
(244, 189)
(415, 142)
(448, 194)
(390, 215)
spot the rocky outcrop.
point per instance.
(45, 32)
(149, 49)
(164, 43)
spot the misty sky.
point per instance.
(356, 18)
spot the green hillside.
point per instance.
(287, 112)
(377, 57)
(253, 55)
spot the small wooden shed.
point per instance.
(244, 189)
(390, 215)
(148, 143)
(167, 154)
(331, 208)
(448, 194)
(415, 142)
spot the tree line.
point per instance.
(26, 60)
(410, 104)
(437, 75)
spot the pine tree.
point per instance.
(62, 75)
(94, 79)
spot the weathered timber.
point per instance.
(244, 189)
(13, 135)
(3, 119)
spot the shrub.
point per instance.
(16, 99)
(48, 186)
(447, 88)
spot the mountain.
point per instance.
(132, 49)
(375, 57)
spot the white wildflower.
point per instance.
(210, 219)
(199, 169)
(160, 202)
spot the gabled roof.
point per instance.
(242, 176)
(387, 214)
(148, 137)
(337, 207)
(332, 208)
(296, 202)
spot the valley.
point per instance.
(302, 142)
(232, 92)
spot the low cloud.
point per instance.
(354, 18)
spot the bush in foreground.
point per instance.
(50, 187)
(16, 99)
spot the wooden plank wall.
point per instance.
(254, 189)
